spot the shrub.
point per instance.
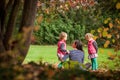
(49, 31)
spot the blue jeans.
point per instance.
(94, 63)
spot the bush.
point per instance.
(49, 31)
(74, 18)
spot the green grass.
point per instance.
(48, 54)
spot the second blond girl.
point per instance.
(92, 50)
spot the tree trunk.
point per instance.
(21, 45)
(2, 10)
(7, 7)
(11, 24)
(2, 49)
(27, 24)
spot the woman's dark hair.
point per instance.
(79, 45)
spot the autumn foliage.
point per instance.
(108, 32)
(45, 71)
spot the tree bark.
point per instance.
(27, 24)
(2, 8)
(7, 7)
(2, 49)
(11, 24)
(22, 44)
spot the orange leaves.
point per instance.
(110, 53)
(109, 36)
(47, 11)
(36, 28)
(39, 19)
(26, 29)
(110, 25)
(117, 20)
(110, 33)
(112, 56)
(38, 4)
(106, 43)
(105, 29)
(118, 5)
(118, 27)
(92, 3)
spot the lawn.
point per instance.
(47, 53)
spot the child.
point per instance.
(92, 50)
(77, 54)
(61, 50)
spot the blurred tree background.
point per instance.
(16, 16)
(76, 17)
(23, 22)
